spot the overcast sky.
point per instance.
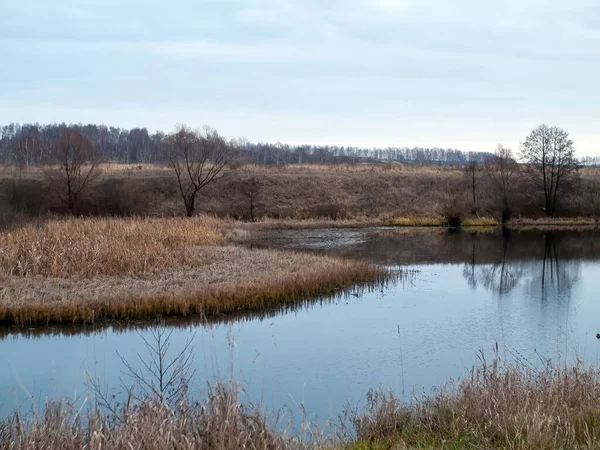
(451, 73)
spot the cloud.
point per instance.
(323, 64)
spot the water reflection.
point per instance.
(548, 274)
(497, 260)
(533, 293)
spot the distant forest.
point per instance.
(32, 144)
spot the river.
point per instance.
(534, 293)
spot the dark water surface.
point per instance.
(534, 293)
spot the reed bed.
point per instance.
(416, 221)
(554, 222)
(91, 247)
(242, 281)
(218, 422)
(480, 222)
(87, 270)
(499, 406)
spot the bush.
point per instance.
(453, 212)
(25, 196)
(119, 198)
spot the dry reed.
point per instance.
(91, 247)
(218, 422)
(86, 270)
(500, 406)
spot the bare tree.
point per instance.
(503, 172)
(163, 375)
(471, 172)
(550, 158)
(198, 159)
(77, 166)
(251, 190)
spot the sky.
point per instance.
(466, 74)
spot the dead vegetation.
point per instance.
(299, 192)
(218, 421)
(86, 270)
(500, 405)
(91, 247)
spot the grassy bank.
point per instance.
(304, 192)
(499, 406)
(86, 270)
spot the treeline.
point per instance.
(33, 144)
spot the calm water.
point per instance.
(536, 294)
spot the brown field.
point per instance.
(296, 192)
(86, 270)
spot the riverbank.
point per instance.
(88, 270)
(499, 405)
(411, 194)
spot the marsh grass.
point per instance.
(90, 247)
(554, 222)
(87, 270)
(217, 422)
(480, 222)
(500, 405)
(415, 221)
(273, 284)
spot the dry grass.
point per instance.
(233, 280)
(92, 247)
(499, 406)
(508, 406)
(299, 192)
(218, 422)
(554, 222)
(480, 222)
(414, 221)
(85, 270)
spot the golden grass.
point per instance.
(480, 222)
(91, 247)
(85, 270)
(415, 221)
(500, 406)
(233, 280)
(217, 422)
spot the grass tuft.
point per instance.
(499, 406)
(480, 222)
(414, 221)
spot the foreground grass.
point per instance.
(497, 407)
(86, 270)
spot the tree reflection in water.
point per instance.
(546, 276)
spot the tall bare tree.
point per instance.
(471, 172)
(77, 166)
(503, 172)
(198, 159)
(551, 164)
